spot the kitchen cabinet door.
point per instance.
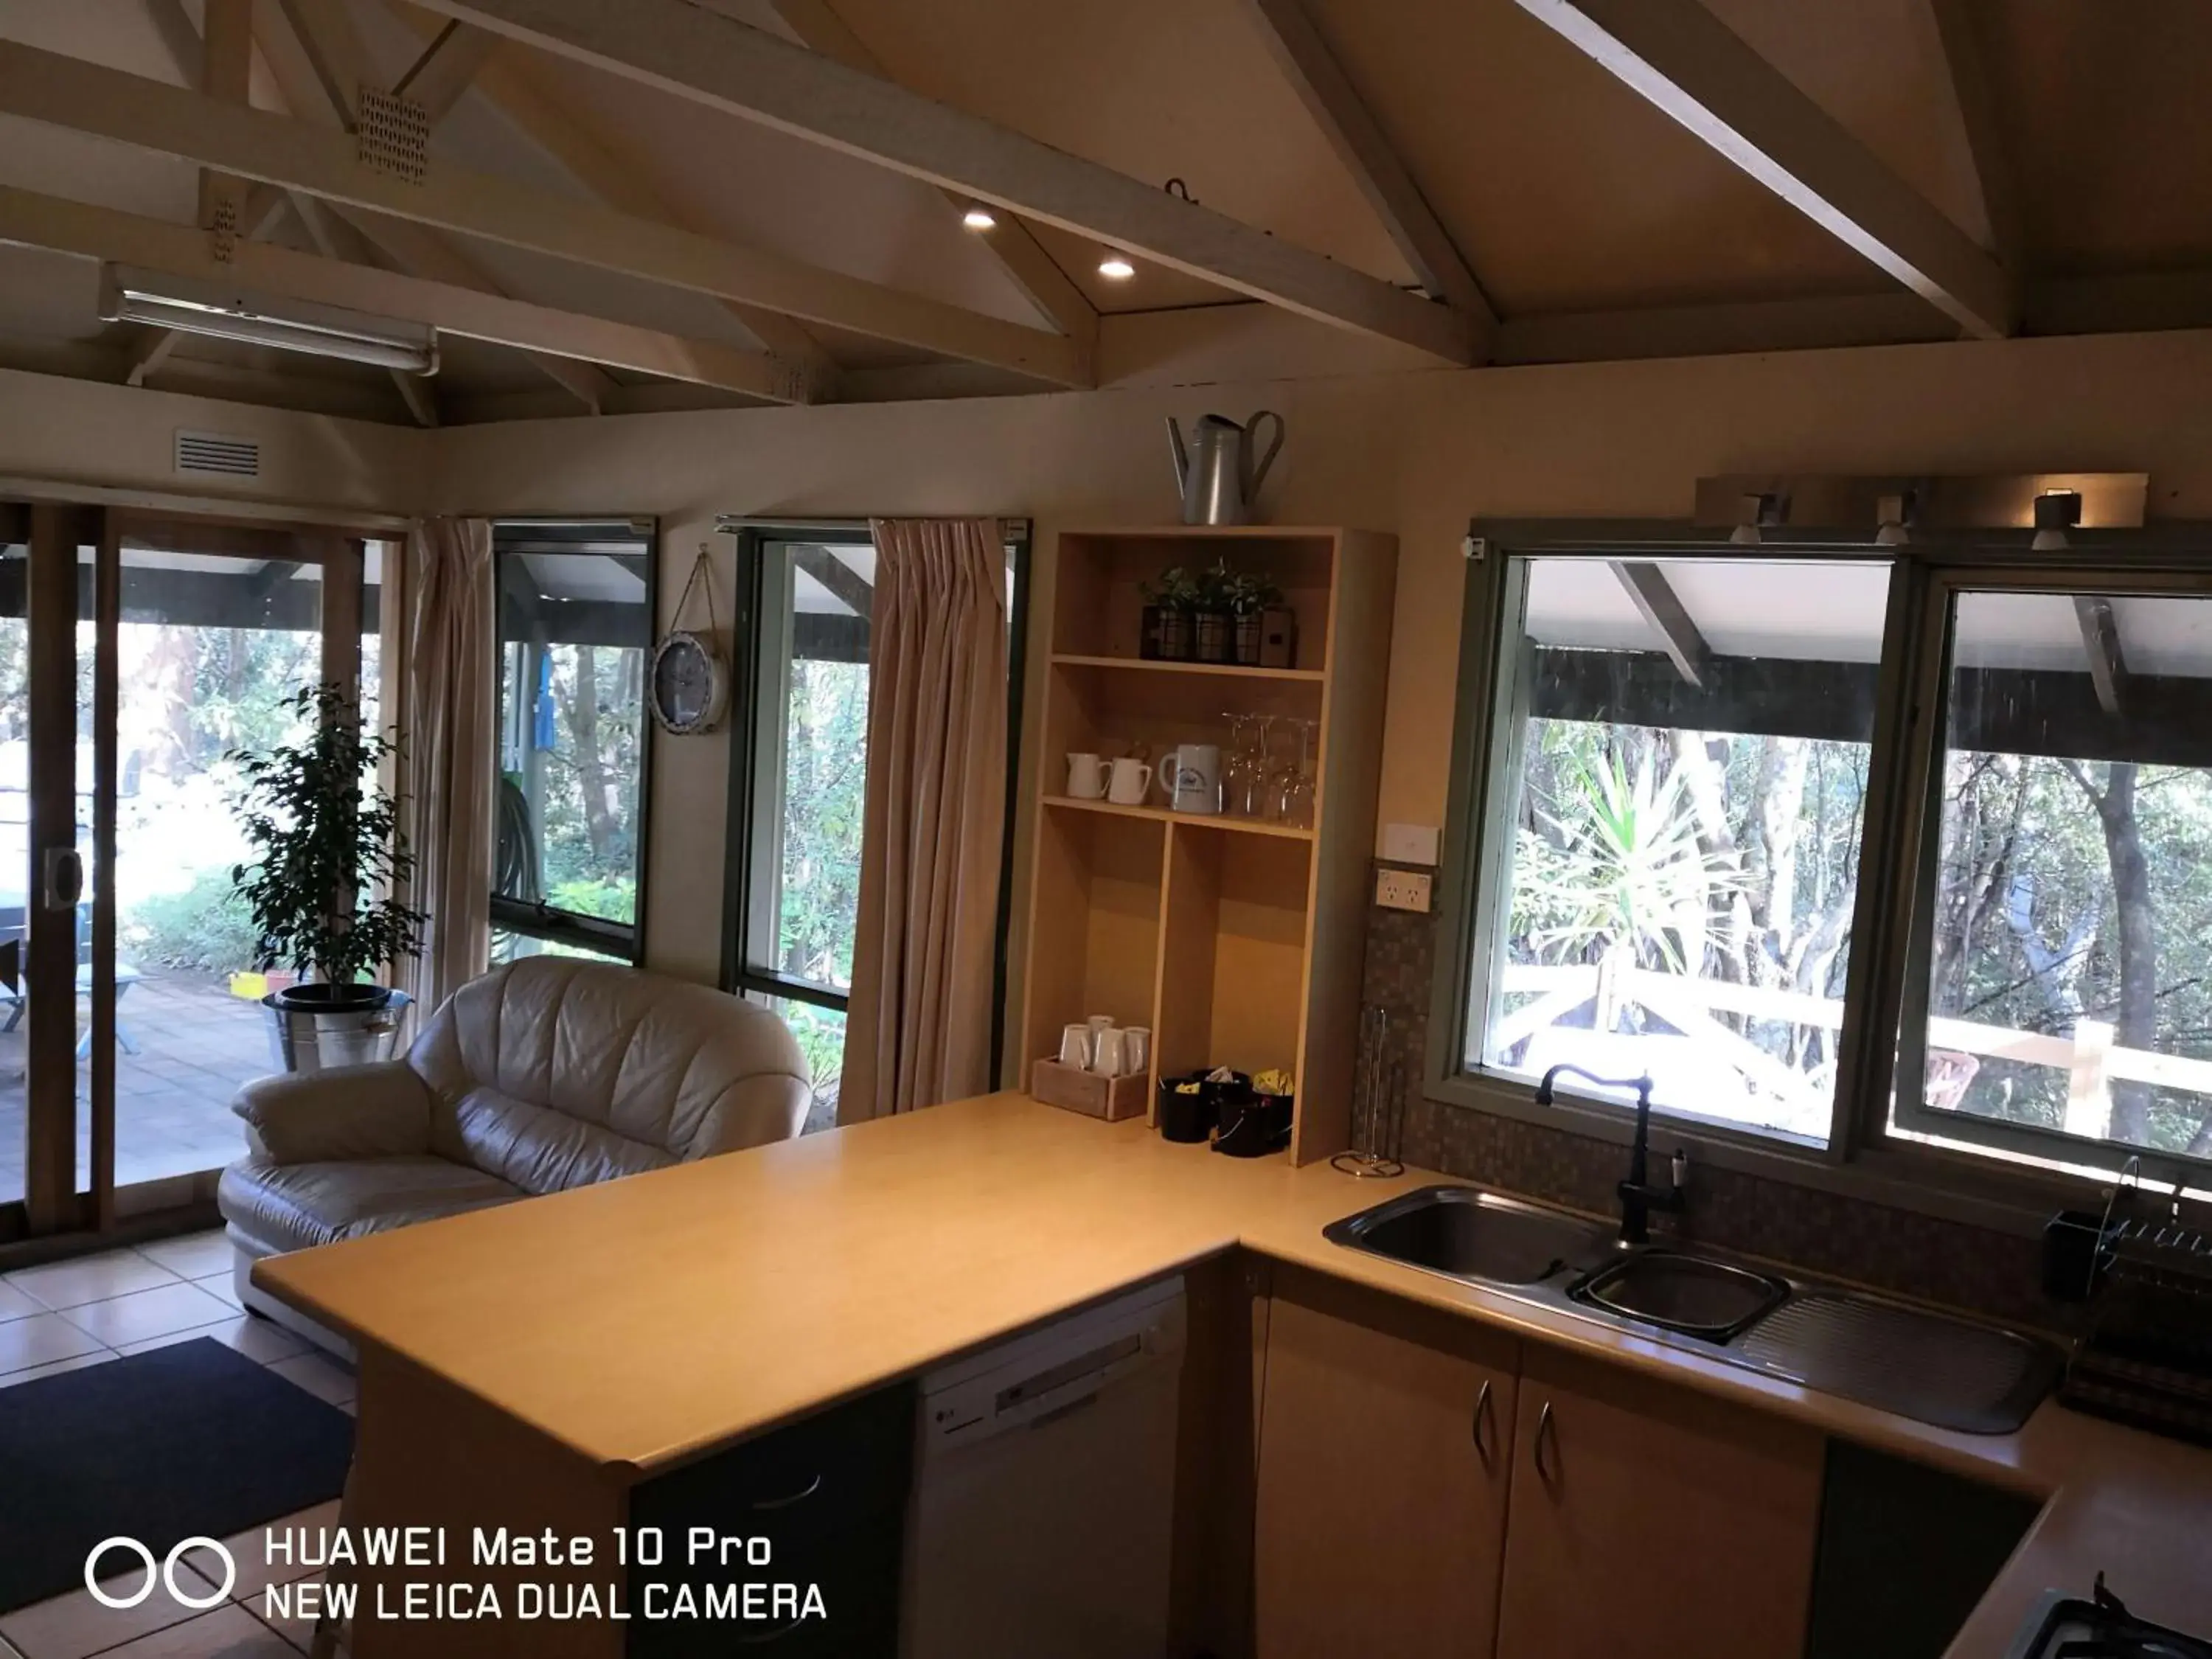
(1385, 1443)
(1650, 1520)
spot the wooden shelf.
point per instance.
(1218, 670)
(1193, 820)
(1240, 942)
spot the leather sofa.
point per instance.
(548, 1074)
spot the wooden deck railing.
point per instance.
(2092, 1061)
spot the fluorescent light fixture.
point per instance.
(979, 217)
(192, 306)
(1116, 266)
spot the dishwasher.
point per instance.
(1044, 1491)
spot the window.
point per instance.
(1679, 799)
(575, 605)
(2062, 998)
(798, 783)
(1861, 854)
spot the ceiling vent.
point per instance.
(211, 451)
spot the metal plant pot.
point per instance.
(310, 1034)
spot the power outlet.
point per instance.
(1403, 890)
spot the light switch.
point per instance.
(1410, 844)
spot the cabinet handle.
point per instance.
(1482, 1422)
(1544, 1434)
(789, 1498)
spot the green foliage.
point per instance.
(1176, 590)
(616, 900)
(207, 928)
(1621, 866)
(825, 799)
(588, 792)
(324, 839)
(1250, 593)
(821, 1034)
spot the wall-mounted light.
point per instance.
(2057, 512)
(1116, 266)
(1752, 512)
(979, 217)
(1895, 513)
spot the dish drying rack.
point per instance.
(2147, 1359)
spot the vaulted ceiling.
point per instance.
(618, 210)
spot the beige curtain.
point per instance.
(919, 1030)
(449, 723)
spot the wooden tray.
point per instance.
(1110, 1098)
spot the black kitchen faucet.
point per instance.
(1638, 1198)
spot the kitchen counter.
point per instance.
(649, 1320)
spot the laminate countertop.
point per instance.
(647, 1320)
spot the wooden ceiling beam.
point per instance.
(1015, 246)
(446, 68)
(1352, 131)
(326, 32)
(675, 47)
(85, 97)
(322, 230)
(58, 226)
(1954, 45)
(571, 138)
(1688, 63)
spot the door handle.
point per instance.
(1545, 1434)
(61, 883)
(1482, 1423)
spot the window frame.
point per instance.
(1861, 1157)
(624, 941)
(753, 795)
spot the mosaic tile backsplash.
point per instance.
(1972, 1268)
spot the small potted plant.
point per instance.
(1213, 621)
(325, 841)
(1250, 597)
(1164, 627)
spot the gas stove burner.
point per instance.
(2102, 1628)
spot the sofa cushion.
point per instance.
(295, 1207)
(540, 1150)
(666, 1067)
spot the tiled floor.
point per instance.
(196, 1044)
(84, 1312)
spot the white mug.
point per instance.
(1086, 777)
(1132, 782)
(1075, 1046)
(1136, 1048)
(1191, 777)
(1108, 1054)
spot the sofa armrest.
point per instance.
(379, 1110)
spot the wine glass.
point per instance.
(1236, 771)
(1298, 800)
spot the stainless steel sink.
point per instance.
(1911, 1361)
(1470, 1234)
(1692, 1294)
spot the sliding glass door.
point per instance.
(137, 655)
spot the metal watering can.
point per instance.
(1215, 472)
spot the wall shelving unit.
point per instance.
(1238, 942)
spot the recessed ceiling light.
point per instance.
(979, 217)
(1116, 267)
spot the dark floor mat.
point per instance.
(190, 1440)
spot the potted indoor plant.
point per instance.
(1212, 619)
(327, 851)
(1250, 597)
(1165, 623)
